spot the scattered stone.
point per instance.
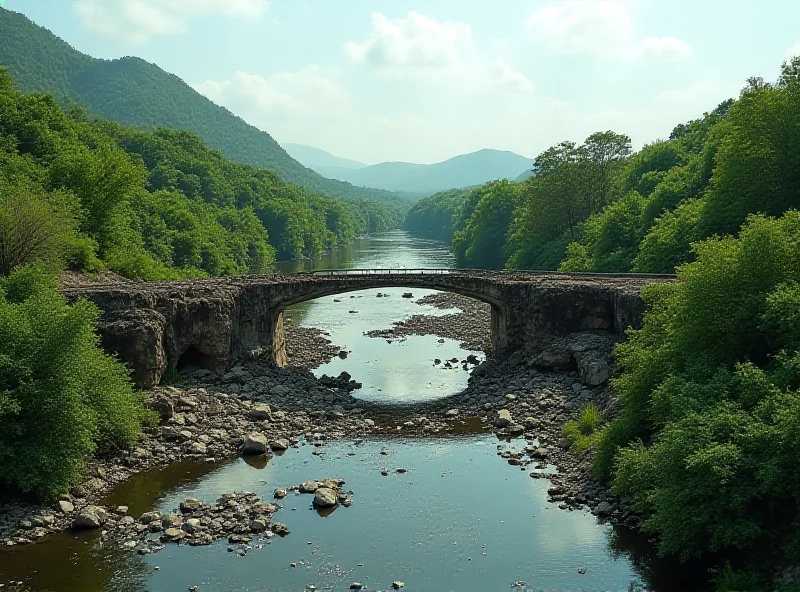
(325, 498)
(90, 517)
(254, 443)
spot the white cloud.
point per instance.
(602, 27)
(793, 51)
(135, 21)
(421, 47)
(413, 42)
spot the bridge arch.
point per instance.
(367, 281)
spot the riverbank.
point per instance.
(210, 417)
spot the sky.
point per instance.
(425, 80)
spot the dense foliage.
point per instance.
(134, 92)
(436, 217)
(85, 191)
(597, 207)
(709, 433)
(61, 397)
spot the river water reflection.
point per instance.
(460, 519)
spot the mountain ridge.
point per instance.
(463, 170)
(135, 92)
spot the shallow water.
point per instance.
(461, 518)
(401, 371)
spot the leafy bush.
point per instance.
(61, 397)
(32, 229)
(709, 432)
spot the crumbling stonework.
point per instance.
(154, 327)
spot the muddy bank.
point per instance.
(471, 325)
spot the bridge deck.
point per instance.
(632, 280)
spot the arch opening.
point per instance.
(193, 359)
(391, 342)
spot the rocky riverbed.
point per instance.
(307, 347)
(471, 325)
(255, 409)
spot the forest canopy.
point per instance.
(85, 192)
(598, 206)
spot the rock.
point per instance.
(594, 372)
(260, 411)
(452, 413)
(174, 534)
(397, 584)
(356, 586)
(280, 529)
(66, 507)
(503, 418)
(325, 498)
(190, 505)
(90, 517)
(258, 525)
(171, 521)
(149, 517)
(255, 443)
(161, 404)
(196, 448)
(279, 445)
(308, 487)
(407, 295)
(280, 493)
(603, 509)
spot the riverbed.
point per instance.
(458, 517)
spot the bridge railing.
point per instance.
(494, 272)
(360, 272)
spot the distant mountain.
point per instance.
(524, 176)
(315, 158)
(461, 171)
(134, 92)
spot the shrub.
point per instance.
(32, 229)
(61, 397)
(708, 436)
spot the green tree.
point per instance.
(61, 397)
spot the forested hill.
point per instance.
(134, 92)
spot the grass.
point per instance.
(171, 377)
(584, 432)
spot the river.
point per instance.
(460, 518)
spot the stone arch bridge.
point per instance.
(151, 325)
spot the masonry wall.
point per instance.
(150, 326)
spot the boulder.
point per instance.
(308, 487)
(90, 517)
(325, 498)
(162, 405)
(255, 443)
(260, 411)
(279, 445)
(503, 419)
(603, 509)
(190, 505)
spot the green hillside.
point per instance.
(134, 92)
